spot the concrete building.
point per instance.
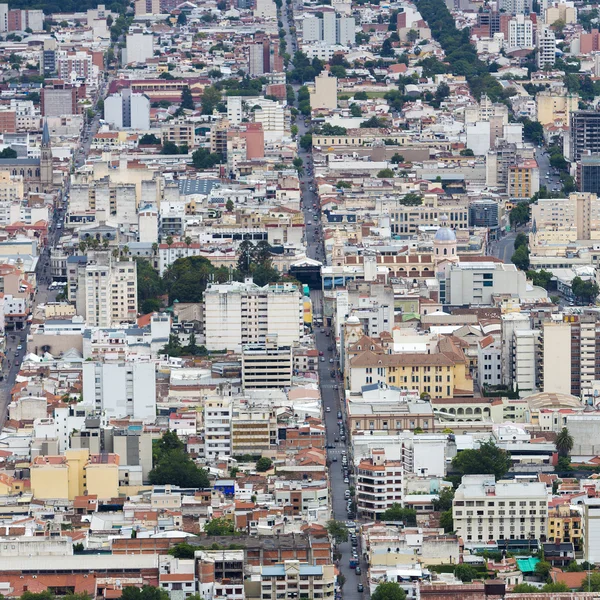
(312, 581)
(106, 290)
(546, 44)
(476, 283)
(324, 92)
(525, 360)
(520, 32)
(234, 109)
(487, 510)
(591, 529)
(241, 313)
(331, 29)
(584, 134)
(553, 105)
(379, 484)
(139, 48)
(561, 11)
(523, 179)
(267, 365)
(217, 427)
(121, 389)
(556, 359)
(484, 213)
(127, 110)
(271, 115)
(579, 213)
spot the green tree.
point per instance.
(211, 96)
(542, 569)
(389, 590)
(540, 278)
(204, 159)
(397, 159)
(564, 442)
(385, 174)
(521, 240)
(306, 142)
(487, 459)
(343, 185)
(465, 573)
(520, 258)
(591, 583)
(373, 123)
(219, 526)
(361, 96)
(150, 305)
(172, 465)
(444, 500)
(149, 283)
(229, 205)
(397, 513)
(264, 464)
(187, 100)
(574, 567)
(338, 531)
(170, 148)
(355, 110)
(525, 588)
(8, 153)
(411, 199)
(586, 291)
(555, 588)
(446, 521)
(519, 215)
(149, 139)
(146, 593)
(182, 550)
(297, 163)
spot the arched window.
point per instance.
(445, 251)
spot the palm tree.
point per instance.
(82, 247)
(105, 243)
(115, 253)
(125, 250)
(169, 241)
(564, 442)
(155, 248)
(188, 241)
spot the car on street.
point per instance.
(360, 587)
(322, 359)
(19, 347)
(346, 480)
(358, 570)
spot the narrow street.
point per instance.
(330, 382)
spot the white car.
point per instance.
(346, 480)
(328, 409)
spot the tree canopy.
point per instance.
(488, 459)
(389, 590)
(172, 465)
(219, 526)
(338, 531)
(396, 513)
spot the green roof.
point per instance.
(527, 565)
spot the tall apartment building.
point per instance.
(588, 174)
(591, 529)
(331, 29)
(127, 110)
(520, 32)
(109, 200)
(523, 179)
(546, 43)
(266, 365)
(217, 427)
(580, 212)
(78, 65)
(139, 48)
(379, 484)
(106, 290)
(120, 389)
(293, 579)
(555, 105)
(584, 134)
(263, 57)
(486, 510)
(241, 313)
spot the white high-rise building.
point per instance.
(217, 427)
(311, 29)
(331, 29)
(546, 42)
(106, 290)
(271, 115)
(485, 509)
(236, 314)
(139, 48)
(121, 389)
(520, 32)
(127, 110)
(234, 109)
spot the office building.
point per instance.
(484, 213)
(106, 290)
(127, 110)
(485, 510)
(74, 66)
(584, 134)
(241, 313)
(379, 484)
(588, 174)
(546, 44)
(59, 100)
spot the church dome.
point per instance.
(353, 320)
(444, 234)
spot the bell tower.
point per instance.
(46, 171)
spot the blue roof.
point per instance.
(196, 186)
(77, 258)
(279, 570)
